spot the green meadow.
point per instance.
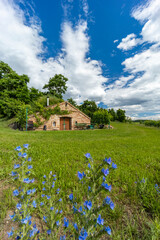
(133, 147)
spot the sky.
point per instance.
(109, 50)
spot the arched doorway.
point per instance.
(65, 123)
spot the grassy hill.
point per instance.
(134, 148)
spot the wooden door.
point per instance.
(64, 123)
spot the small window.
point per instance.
(54, 124)
(76, 122)
(66, 104)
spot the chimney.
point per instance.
(47, 101)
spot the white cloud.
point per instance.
(129, 42)
(21, 45)
(115, 41)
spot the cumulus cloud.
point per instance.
(21, 46)
(129, 42)
(139, 92)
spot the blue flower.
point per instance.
(74, 209)
(111, 205)
(56, 211)
(19, 205)
(41, 204)
(83, 235)
(19, 154)
(80, 209)
(108, 160)
(18, 148)
(43, 195)
(114, 165)
(30, 167)
(107, 200)
(108, 230)
(62, 237)
(89, 188)
(13, 174)
(100, 221)
(15, 193)
(43, 182)
(105, 185)
(26, 180)
(29, 192)
(60, 211)
(25, 220)
(104, 179)
(50, 172)
(52, 208)
(12, 216)
(10, 234)
(88, 155)
(57, 223)
(16, 166)
(75, 226)
(89, 165)
(29, 159)
(105, 171)
(48, 197)
(33, 190)
(88, 204)
(24, 155)
(34, 204)
(80, 175)
(44, 176)
(44, 218)
(71, 196)
(66, 222)
(60, 200)
(48, 231)
(25, 146)
(44, 189)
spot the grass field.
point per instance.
(134, 148)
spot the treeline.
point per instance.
(16, 96)
(152, 123)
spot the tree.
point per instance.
(88, 107)
(70, 100)
(121, 115)
(113, 114)
(101, 116)
(56, 85)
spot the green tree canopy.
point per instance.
(101, 117)
(88, 107)
(121, 115)
(70, 100)
(56, 85)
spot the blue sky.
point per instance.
(109, 50)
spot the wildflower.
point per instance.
(114, 165)
(29, 192)
(50, 172)
(15, 193)
(66, 222)
(60, 200)
(44, 218)
(100, 221)
(44, 176)
(25, 220)
(105, 171)
(19, 154)
(19, 205)
(26, 180)
(52, 208)
(62, 237)
(71, 196)
(25, 146)
(44, 189)
(43, 182)
(74, 209)
(57, 223)
(60, 211)
(18, 148)
(89, 165)
(43, 195)
(13, 174)
(56, 211)
(30, 167)
(83, 235)
(24, 155)
(34, 204)
(111, 205)
(88, 155)
(107, 200)
(108, 160)
(41, 204)
(33, 190)
(108, 230)
(88, 204)
(80, 175)
(80, 209)
(48, 197)
(10, 234)
(16, 166)
(75, 226)
(105, 185)
(48, 232)
(29, 159)
(12, 216)
(89, 188)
